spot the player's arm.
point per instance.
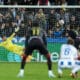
(16, 30)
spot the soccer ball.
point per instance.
(61, 22)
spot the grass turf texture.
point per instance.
(33, 71)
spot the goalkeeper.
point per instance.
(7, 44)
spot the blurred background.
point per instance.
(40, 2)
(56, 22)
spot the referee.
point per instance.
(35, 41)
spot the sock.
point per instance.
(49, 62)
(23, 62)
(50, 71)
(59, 70)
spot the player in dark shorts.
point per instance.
(35, 41)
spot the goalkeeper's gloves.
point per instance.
(16, 29)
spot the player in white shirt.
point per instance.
(68, 54)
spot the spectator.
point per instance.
(29, 24)
(43, 2)
(57, 33)
(72, 2)
(52, 20)
(62, 12)
(57, 2)
(52, 2)
(40, 16)
(34, 2)
(1, 18)
(69, 32)
(63, 2)
(73, 21)
(67, 17)
(26, 2)
(1, 2)
(48, 19)
(31, 16)
(18, 20)
(78, 2)
(13, 13)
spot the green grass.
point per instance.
(33, 71)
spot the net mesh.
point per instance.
(48, 18)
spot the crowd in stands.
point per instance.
(49, 20)
(40, 2)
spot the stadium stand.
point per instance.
(48, 20)
(41, 2)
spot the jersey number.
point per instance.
(67, 51)
(35, 31)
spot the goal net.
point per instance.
(55, 20)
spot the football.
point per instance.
(61, 22)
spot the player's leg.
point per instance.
(63, 63)
(44, 51)
(49, 63)
(28, 52)
(74, 72)
(59, 72)
(34, 2)
(60, 66)
(75, 69)
(23, 62)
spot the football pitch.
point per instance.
(33, 71)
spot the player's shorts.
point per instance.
(36, 44)
(66, 63)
